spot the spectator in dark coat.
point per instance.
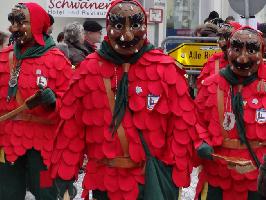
(74, 38)
(61, 44)
(92, 35)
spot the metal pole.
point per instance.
(247, 12)
(156, 35)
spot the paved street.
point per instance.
(187, 193)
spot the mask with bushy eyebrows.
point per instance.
(245, 52)
(126, 28)
(20, 27)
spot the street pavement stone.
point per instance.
(187, 193)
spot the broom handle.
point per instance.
(13, 112)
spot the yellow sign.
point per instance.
(194, 55)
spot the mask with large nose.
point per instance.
(245, 52)
(20, 27)
(126, 28)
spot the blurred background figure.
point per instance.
(60, 37)
(3, 39)
(74, 38)
(92, 35)
(212, 15)
(50, 29)
(229, 19)
(206, 30)
(262, 29)
(217, 21)
(61, 45)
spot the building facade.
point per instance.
(63, 15)
(184, 15)
(179, 17)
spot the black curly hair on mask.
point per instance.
(18, 18)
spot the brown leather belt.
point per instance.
(120, 162)
(30, 118)
(236, 144)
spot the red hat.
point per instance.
(39, 21)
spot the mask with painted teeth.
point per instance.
(128, 44)
(14, 36)
(243, 66)
(20, 27)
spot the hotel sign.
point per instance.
(78, 8)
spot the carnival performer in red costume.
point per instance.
(231, 113)
(262, 178)
(31, 66)
(218, 60)
(124, 87)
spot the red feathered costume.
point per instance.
(212, 66)
(167, 123)
(216, 62)
(216, 172)
(18, 135)
(30, 130)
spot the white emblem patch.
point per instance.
(255, 101)
(152, 100)
(261, 115)
(41, 80)
(138, 89)
(229, 121)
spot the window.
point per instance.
(182, 15)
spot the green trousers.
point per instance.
(24, 174)
(216, 193)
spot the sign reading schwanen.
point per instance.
(78, 8)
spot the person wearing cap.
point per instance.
(231, 121)
(125, 88)
(92, 35)
(33, 77)
(218, 60)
